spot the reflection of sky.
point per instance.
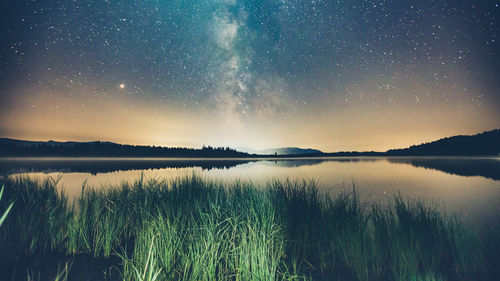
(374, 180)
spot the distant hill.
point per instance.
(25, 143)
(486, 143)
(12, 147)
(281, 151)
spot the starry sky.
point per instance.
(332, 75)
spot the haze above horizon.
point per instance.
(262, 74)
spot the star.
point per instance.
(289, 62)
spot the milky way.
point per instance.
(334, 75)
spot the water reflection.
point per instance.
(464, 166)
(95, 166)
(470, 186)
(488, 167)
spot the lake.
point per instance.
(469, 186)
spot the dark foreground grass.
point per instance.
(195, 229)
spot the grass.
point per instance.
(195, 229)
(6, 212)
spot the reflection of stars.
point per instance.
(122, 86)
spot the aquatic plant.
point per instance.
(6, 212)
(191, 228)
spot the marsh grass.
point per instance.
(195, 229)
(6, 212)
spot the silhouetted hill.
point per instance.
(354, 153)
(11, 147)
(281, 151)
(486, 143)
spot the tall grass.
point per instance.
(195, 229)
(6, 212)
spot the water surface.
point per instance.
(469, 186)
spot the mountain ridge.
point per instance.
(481, 144)
(291, 150)
(485, 143)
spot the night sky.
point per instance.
(332, 75)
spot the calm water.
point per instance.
(469, 186)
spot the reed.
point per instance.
(191, 228)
